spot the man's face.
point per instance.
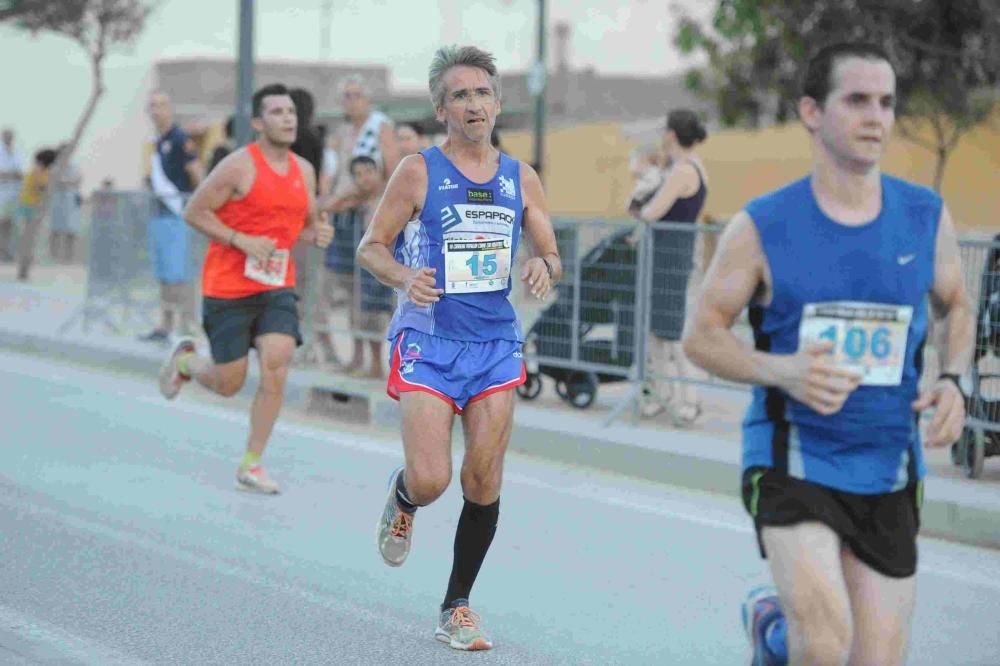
(7, 137)
(407, 140)
(470, 106)
(277, 122)
(856, 121)
(367, 178)
(160, 110)
(356, 102)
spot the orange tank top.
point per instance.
(276, 206)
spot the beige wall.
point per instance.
(587, 169)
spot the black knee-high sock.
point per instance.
(476, 527)
(403, 497)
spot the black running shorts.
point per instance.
(881, 530)
(232, 324)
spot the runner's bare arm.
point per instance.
(227, 181)
(231, 179)
(539, 227)
(736, 278)
(402, 202)
(950, 301)
(950, 304)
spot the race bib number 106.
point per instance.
(869, 338)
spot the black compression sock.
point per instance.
(476, 527)
(402, 497)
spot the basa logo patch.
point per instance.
(476, 195)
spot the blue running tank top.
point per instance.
(469, 232)
(865, 289)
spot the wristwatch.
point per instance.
(957, 379)
(548, 266)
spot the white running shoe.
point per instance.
(460, 628)
(254, 479)
(171, 380)
(394, 531)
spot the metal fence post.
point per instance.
(575, 322)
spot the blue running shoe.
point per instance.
(760, 609)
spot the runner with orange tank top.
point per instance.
(253, 206)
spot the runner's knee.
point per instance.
(425, 483)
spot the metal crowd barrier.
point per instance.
(121, 291)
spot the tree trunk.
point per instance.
(942, 162)
(33, 227)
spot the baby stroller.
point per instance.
(980, 441)
(607, 323)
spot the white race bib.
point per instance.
(474, 265)
(869, 338)
(271, 272)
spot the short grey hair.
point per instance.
(459, 56)
(357, 80)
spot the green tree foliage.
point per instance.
(946, 54)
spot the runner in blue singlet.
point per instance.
(837, 269)
(445, 236)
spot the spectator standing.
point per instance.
(65, 220)
(174, 173)
(410, 139)
(11, 174)
(29, 209)
(679, 199)
(227, 146)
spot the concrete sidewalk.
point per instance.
(705, 457)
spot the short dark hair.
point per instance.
(46, 157)
(266, 91)
(817, 81)
(687, 126)
(358, 160)
(230, 127)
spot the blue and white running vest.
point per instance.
(469, 232)
(865, 289)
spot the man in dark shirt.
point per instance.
(174, 173)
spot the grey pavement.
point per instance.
(124, 542)
(45, 317)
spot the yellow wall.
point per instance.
(587, 169)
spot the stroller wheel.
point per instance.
(532, 386)
(972, 448)
(579, 389)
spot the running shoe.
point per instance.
(760, 609)
(394, 531)
(254, 479)
(171, 378)
(460, 628)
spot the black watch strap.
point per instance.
(548, 266)
(952, 377)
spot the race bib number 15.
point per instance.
(869, 338)
(476, 265)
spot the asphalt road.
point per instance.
(122, 541)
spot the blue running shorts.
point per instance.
(456, 371)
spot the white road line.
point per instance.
(71, 646)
